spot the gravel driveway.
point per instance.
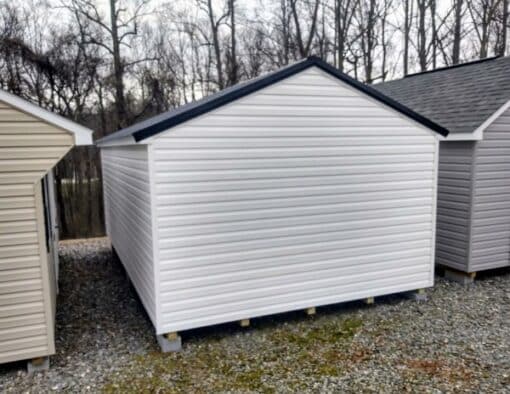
(458, 341)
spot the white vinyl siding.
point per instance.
(454, 203)
(491, 207)
(128, 216)
(303, 194)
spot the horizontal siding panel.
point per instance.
(231, 243)
(128, 219)
(19, 262)
(18, 227)
(21, 333)
(17, 202)
(24, 343)
(8, 276)
(22, 320)
(180, 289)
(19, 251)
(17, 178)
(17, 140)
(205, 260)
(288, 207)
(163, 186)
(253, 289)
(24, 238)
(273, 223)
(293, 301)
(317, 171)
(31, 152)
(30, 165)
(16, 190)
(19, 310)
(10, 114)
(34, 127)
(177, 143)
(23, 297)
(271, 153)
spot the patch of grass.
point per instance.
(448, 371)
(308, 350)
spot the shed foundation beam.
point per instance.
(244, 323)
(369, 300)
(464, 278)
(417, 295)
(170, 342)
(38, 364)
(310, 311)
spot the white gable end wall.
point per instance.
(305, 193)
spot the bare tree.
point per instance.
(110, 34)
(304, 44)
(458, 6)
(483, 14)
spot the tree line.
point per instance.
(109, 63)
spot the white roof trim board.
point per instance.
(82, 135)
(478, 133)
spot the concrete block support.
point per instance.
(170, 342)
(38, 364)
(463, 278)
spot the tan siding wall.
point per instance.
(29, 148)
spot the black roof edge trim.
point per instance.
(453, 66)
(277, 76)
(224, 99)
(383, 98)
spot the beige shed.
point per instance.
(32, 141)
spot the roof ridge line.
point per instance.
(453, 66)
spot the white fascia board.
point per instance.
(463, 137)
(129, 140)
(479, 131)
(82, 135)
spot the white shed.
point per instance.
(298, 189)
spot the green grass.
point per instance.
(288, 353)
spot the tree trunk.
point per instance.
(457, 32)
(118, 69)
(504, 30)
(233, 55)
(407, 25)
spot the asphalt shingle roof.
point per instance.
(459, 98)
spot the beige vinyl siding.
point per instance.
(491, 206)
(454, 203)
(128, 216)
(305, 193)
(29, 148)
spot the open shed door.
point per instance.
(51, 224)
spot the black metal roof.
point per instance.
(166, 120)
(460, 98)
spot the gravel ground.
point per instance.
(458, 341)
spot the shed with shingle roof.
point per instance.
(473, 101)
